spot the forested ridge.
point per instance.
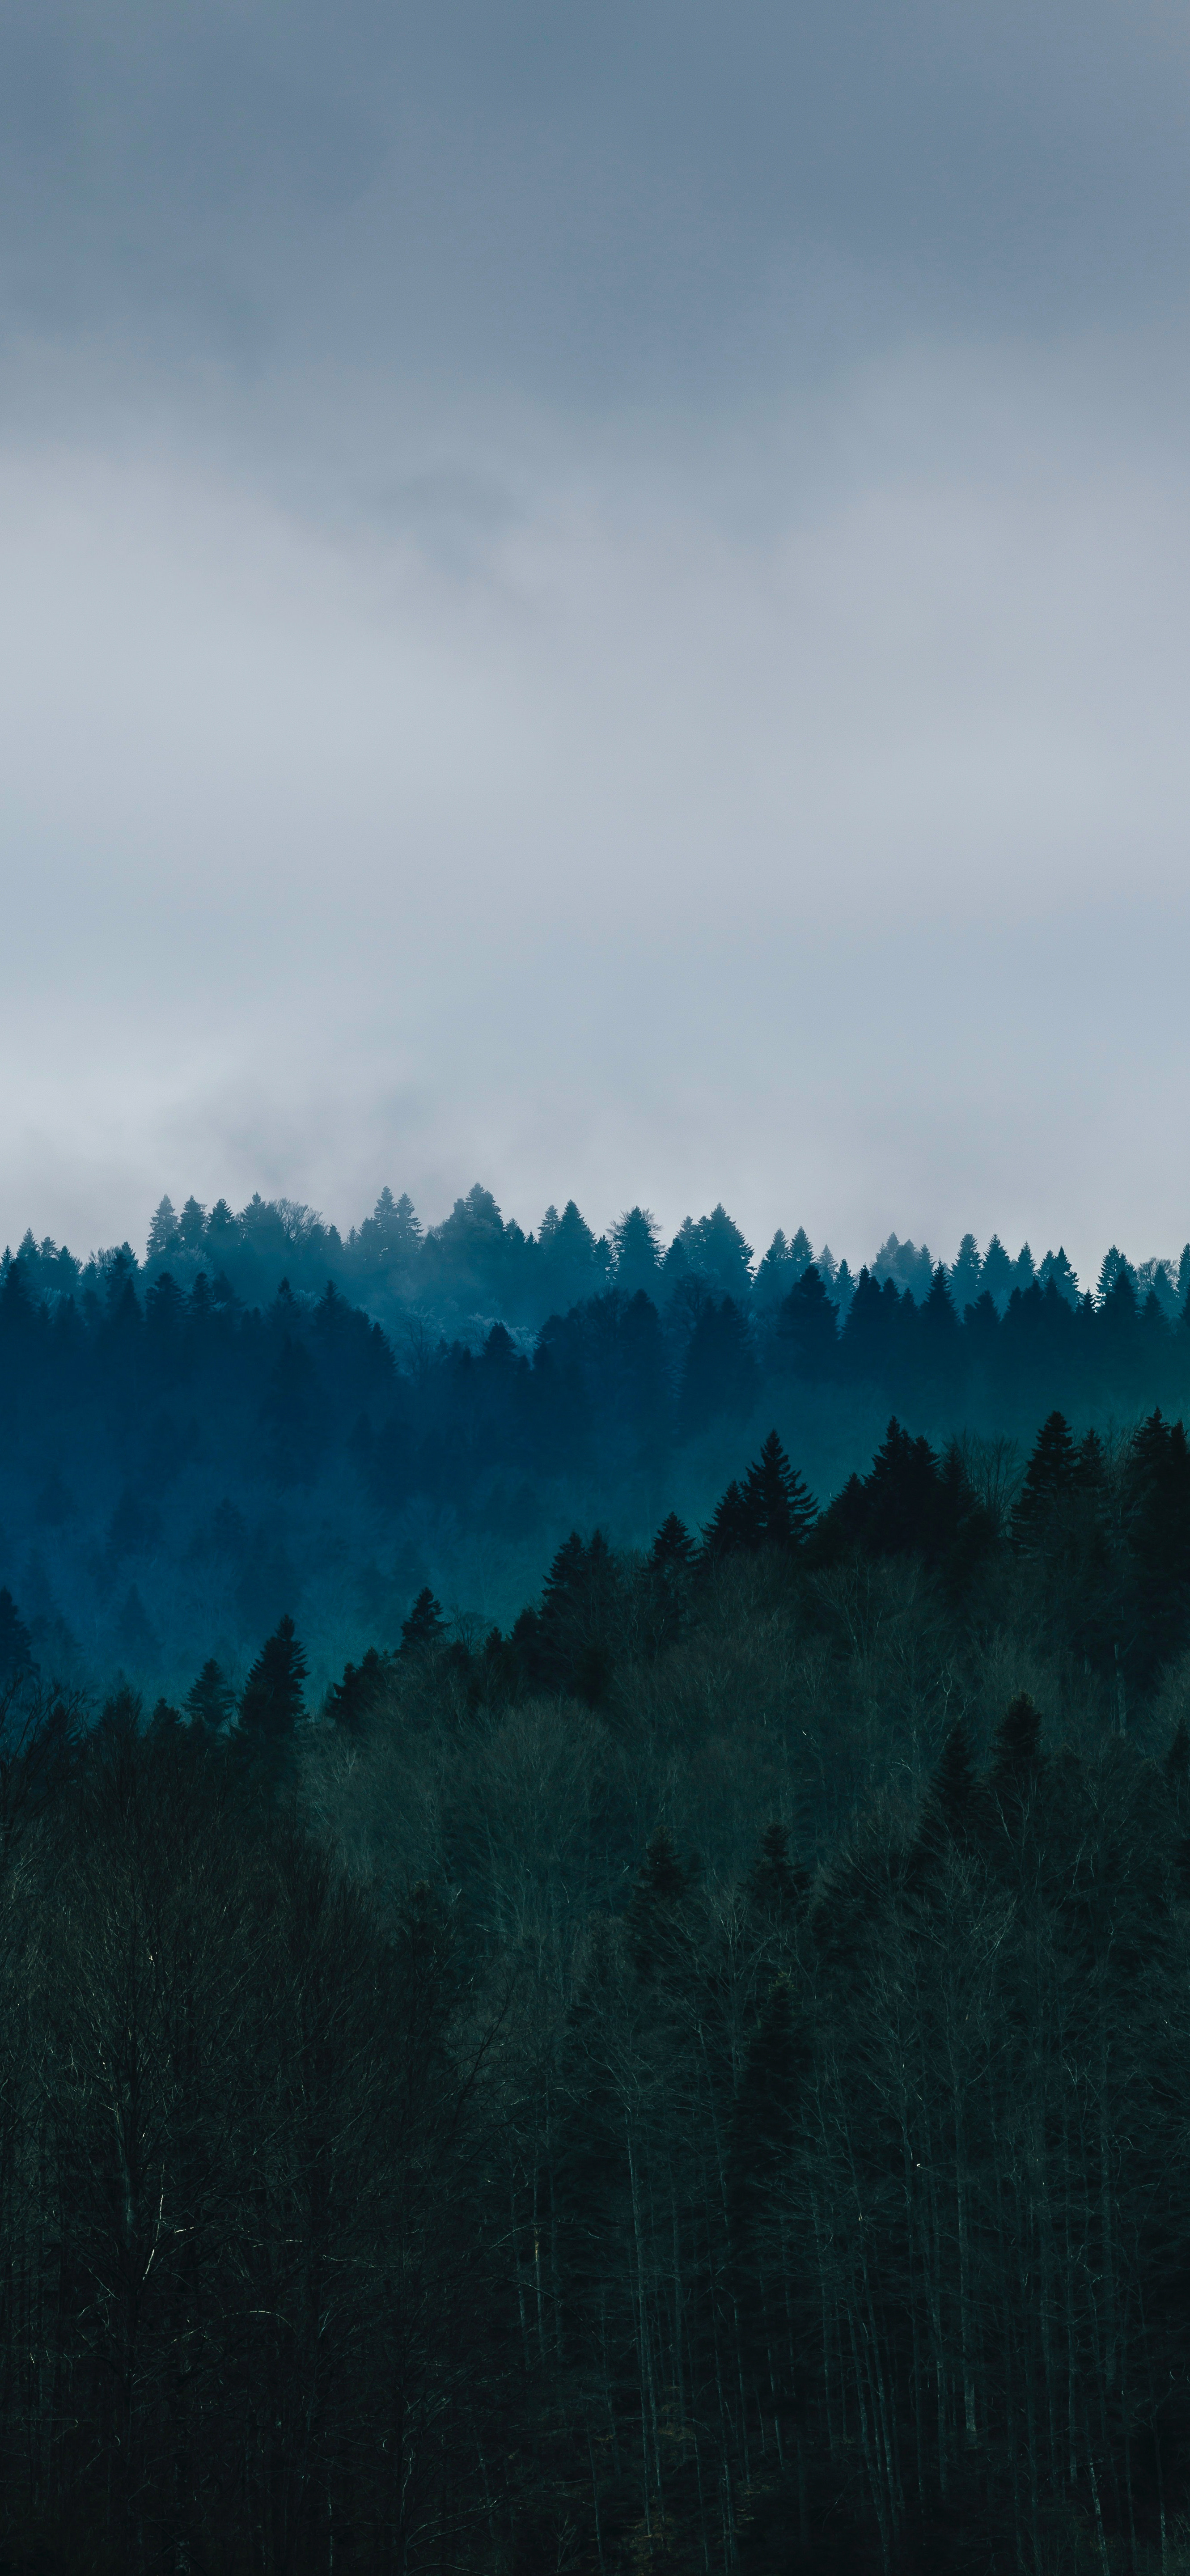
(263, 1417)
(697, 2077)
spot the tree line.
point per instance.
(177, 1466)
(478, 1265)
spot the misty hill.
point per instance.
(178, 1466)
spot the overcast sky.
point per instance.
(596, 598)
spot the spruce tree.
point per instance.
(729, 1529)
(163, 1232)
(635, 1243)
(777, 1506)
(272, 1700)
(425, 1626)
(996, 1274)
(964, 1276)
(351, 1701)
(673, 1551)
(211, 1699)
(807, 1329)
(1049, 1478)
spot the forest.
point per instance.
(261, 1417)
(594, 1910)
(696, 2077)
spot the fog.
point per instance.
(596, 601)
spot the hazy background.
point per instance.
(597, 598)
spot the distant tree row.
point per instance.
(159, 1442)
(476, 1263)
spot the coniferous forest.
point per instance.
(690, 2072)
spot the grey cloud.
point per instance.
(587, 198)
(595, 596)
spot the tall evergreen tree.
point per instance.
(425, 1626)
(777, 1507)
(1050, 1478)
(210, 1701)
(272, 1699)
(807, 1328)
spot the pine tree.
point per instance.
(807, 1328)
(1049, 1478)
(673, 1551)
(425, 1626)
(1056, 1267)
(729, 1530)
(964, 1277)
(1112, 1267)
(352, 1701)
(636, 1245)
(192, 1223)
(211, 1700)
(996, 1274)
(778, 1508)
(163, 1232)
(272, 1700)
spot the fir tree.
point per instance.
(1049, 1478)
(211, 1700)
(673, 1552)
(778, 1508)
(729, 1530)
(352, 1701)
(807, 1328)
(425, 1626)
(272, 1700)
(163, 1232)
(636, 1246)
(996, 1274)
(964, 1276)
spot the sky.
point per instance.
(596, 599)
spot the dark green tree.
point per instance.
(211, 1700)
(272, 1700)
(778, 1507)
(425, 1626)
(353, 1700)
